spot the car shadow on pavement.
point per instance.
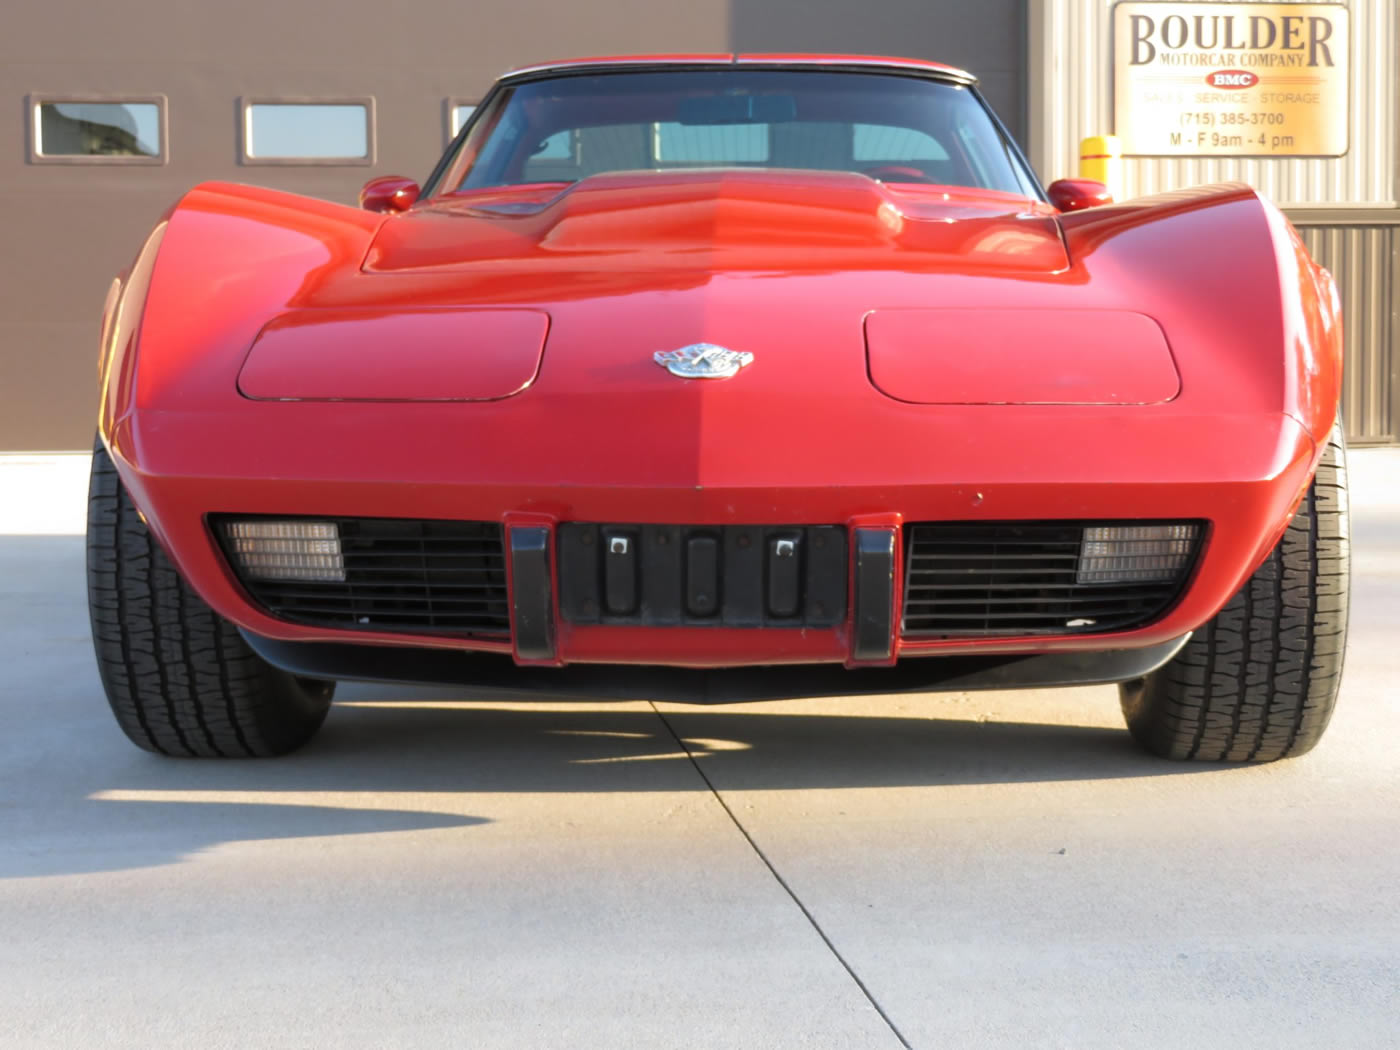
(116, 833)
(76, 797)
(387, 765)
(441, 745)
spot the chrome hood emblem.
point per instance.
(702, 361)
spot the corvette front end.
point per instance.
(720, 433)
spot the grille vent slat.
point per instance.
(418, 576)
(1018, 578)
(1023, 600)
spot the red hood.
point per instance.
(724, 220)
(1217, 270)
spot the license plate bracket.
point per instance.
(703, 575)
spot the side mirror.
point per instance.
(1078, 194)
(389, 193)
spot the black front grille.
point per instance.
(1018, 578)
(423, 577)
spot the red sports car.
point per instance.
(716, 378)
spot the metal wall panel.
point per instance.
(1072, 98)
(1363, 261)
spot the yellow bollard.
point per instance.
(1101, 159)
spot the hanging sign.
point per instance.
(1231, 80)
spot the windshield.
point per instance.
(897, 128)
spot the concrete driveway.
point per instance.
(960, 870)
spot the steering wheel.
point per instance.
(897, 173)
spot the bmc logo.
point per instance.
(1232, 78)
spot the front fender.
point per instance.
(1253, 321)
(222, 262)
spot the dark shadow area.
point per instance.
(143, 834)
(406, 747)
(403, 745)
(410, 747)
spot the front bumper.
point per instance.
(1243, 475)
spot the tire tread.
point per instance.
(1259, 681)
(180, 679)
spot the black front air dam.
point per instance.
(493, 676)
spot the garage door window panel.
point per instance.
(308, 131)
(95, 130)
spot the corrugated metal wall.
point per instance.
(1071, 97)
(1363, 260)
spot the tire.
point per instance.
(181, 680)
(1259, 682)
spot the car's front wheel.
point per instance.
(1260, 680)
(181, 680)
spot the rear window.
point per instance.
(889, 126)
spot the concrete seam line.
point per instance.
(811, 919)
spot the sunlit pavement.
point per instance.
(960, 870)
